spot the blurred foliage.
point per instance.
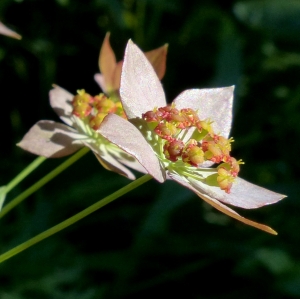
(159, 240)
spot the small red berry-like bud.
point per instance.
(211, 151)
(191, 116)
(193, 154)
(82, 110)
(224, 145)
(150, 116)
(234, 166)
(166, 130)
(165, 112)
(81, 104)
(204, 125)
(178, 119)
(82, 97)
(173, 150)
(174, 115)
(216, 148)
(103, 104)
(225, 179)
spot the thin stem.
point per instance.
(43, 181)
(101, 203)
(24, 173)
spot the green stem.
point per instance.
(42, 181)
(101, 203)
(23, 174)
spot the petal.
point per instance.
(157, 58)
(221, 207)
(107, 62)
(100, 81)
(213, 103)
(110, 163)
(60, 101)
(242, 194)
(8, 32)
(116, 78)
(140, 89)
(126, 136)
(113, 159)
(126, 159)
(132, 163)
(50, 139)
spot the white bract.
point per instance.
(4, 30)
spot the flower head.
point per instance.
(186, 138)
(4, 30)
(109, 79)
(83, 115)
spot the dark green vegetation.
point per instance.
(160, 240)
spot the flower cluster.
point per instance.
(92, 110)
(184, 140)
(171, 124)
(181, 141)
(83, 115)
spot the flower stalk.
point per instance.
(96, 206)
(24, 173)
(47, 178)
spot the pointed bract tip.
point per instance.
(132, 43)
(53, 89)
(106, 39)
(4, 30)
(273, 232)
(16, 36)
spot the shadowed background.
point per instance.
(159, 240)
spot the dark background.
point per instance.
(159, 240)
